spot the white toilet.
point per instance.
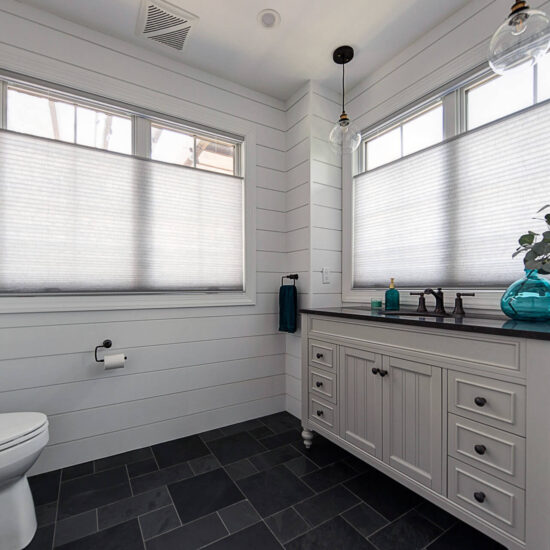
(23, 435)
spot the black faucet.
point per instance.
(439, 304)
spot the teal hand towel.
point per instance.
(288, 308)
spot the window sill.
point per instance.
(43, 304)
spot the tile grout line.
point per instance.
(57, 509)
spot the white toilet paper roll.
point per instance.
(115, 361)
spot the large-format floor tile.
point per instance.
(255, 537)
(125, 536)
(142, 467)
(159, 521)
(245, 426)
(128, 457)
(364, 519)
(191, 536)
(43, 538)
(238, 516)
(269, 459)
(329, 475)
(235, 447)
(281, 422)
(437, 515)
(161, 477)
(46, 514)
(274, 490)
(331, 535)
(45, 487)
(301, 466)
(464, 537)
(132, 507)
(241, 468)
(204, 494)
(319, 508)
(79, 470)
(262, 431)
(410, 532)
(75, 527)
(204, 464)
(88, 492)
(283, 438)
(179, 450)
(386, 496)
(322, 452)
(287, 525)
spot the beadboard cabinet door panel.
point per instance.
(412, 420)
(361, 399)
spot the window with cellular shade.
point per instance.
(451, 215)
(80, 220)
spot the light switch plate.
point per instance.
(325, 273)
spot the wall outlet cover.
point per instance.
(325, 273)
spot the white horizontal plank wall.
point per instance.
(313, 202)
(188, 370)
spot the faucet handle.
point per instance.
(459, 305)
(421, 302)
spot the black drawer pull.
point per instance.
(383, 372)
(480, 449)
(318, 384)
(479, 496)
(319, 356)
(480, 401)
(320, 413)
(375, 370)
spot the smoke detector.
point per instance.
(161, 23)
(269, 18)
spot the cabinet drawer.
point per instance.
(499, 404)
(322, 354)
(323, 414)
(490, 498)
(496, 452)
(323, 384)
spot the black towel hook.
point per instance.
(293, 276)
(106, 344)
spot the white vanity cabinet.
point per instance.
(445, 412)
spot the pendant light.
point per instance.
(344, 137)
(521, 40)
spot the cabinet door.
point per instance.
(361, 400)
(412, 420)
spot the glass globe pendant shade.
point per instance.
(344, 136)
(521, 40)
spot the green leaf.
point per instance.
(547, 218)
(528, 238)
(543, 208)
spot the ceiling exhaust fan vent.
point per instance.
(164, 24)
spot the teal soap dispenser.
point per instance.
(392, 297)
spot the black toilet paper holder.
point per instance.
(106, 344)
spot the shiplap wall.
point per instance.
(188, 370)
(313, 210)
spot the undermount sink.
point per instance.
(417, 314)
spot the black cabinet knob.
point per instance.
(480, 449)
(375, 370)
(383, 372)
(319, 356)
(480, 401)
(479, 496)
(318, 384)
(319, 413)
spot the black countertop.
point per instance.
(485, 324)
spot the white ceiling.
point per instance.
(229, 42)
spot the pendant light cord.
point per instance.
(343, 101)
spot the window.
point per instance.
(450, 214)
(80, 220)
(416, 133)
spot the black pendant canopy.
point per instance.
(342, 55)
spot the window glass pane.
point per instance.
(499, 97)
(543, 78)
(39, 115)
(103, 130)
(384, 148)
(172, 146)
(215, 155)
(422, 131)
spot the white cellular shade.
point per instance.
(451, 215)
(76, 219)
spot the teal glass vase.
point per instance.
(528, 299)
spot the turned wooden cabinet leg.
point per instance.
(308, 437)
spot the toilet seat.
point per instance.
(16, 428)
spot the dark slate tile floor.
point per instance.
(249, 486)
